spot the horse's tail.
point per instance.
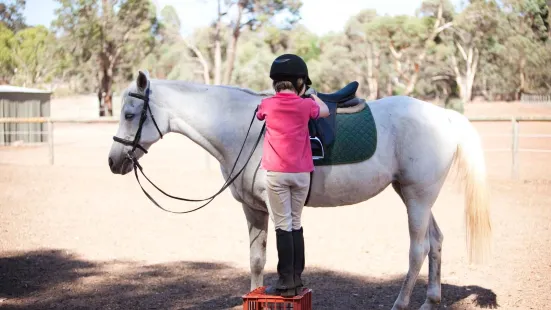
(471, 169)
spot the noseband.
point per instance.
(136, 144)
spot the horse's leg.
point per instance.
(257, 221)
(434, 288)
(418, 199)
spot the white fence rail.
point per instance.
(535, 99)
(514, 149)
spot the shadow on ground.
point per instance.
(55, 279)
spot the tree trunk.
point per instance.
(106, 108)
(472, 64)
(202, 61)
(412, 81)
(465, 80)
(522, 76)
(360, 79)
(420, 59)
(233, 44)
(373, 60)
(217, 49)
(389, 86)
(106, 89)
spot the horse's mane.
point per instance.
(191, 86)
(263, 93)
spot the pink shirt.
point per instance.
(287, 141)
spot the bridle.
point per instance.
(136, 144)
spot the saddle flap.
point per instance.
(324, 128)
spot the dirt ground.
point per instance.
(74, 236)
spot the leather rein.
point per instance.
(136, 144)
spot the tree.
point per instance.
(253, 63)
(33, 55)
(366, 48)
(173, 56)
(525, 31)
(252, 14)
(11, 14)
(411, 38)
(114, 34)
(329, 72)
(474, 31)
(6, 56)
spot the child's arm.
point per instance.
(324, 110)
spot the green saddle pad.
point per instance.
(355, 139)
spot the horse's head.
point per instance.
(142, 123)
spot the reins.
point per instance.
(135, 144)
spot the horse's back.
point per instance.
(421, 135)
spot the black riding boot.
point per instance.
(285, 285)
(298, 241)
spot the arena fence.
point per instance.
(514, 149)
(535, 99)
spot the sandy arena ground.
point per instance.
(74, 236)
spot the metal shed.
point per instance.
(23, 102)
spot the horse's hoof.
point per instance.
(428, 306)
(399, 307)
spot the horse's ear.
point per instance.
(143, 76)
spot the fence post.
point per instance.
(51, 140)
(514, 149)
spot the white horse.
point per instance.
(417, 143)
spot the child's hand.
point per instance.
(311, 91)
(324, 110)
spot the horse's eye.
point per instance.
(128, 116)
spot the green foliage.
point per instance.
(327, 72)
(11, 14)
(32, 54)
(6, 57)
(111, 37)
(254, 63)
(502, 46)
(454, 103)
(304, 43)
(261, 12)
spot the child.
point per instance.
(287, 159)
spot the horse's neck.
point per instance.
(216, 118)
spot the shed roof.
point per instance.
(17, 89)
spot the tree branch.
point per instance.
(454, 66)
(439, 16)
(395, 53)
(475, 61)
(443, 27)
(461, 50)
(437, 28)
(440, 78)
(248, 23)
(201, 59)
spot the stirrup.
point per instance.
(315, 144)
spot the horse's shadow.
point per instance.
(55, 279)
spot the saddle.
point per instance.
(323, 130)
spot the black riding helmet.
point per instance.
(290, 67)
